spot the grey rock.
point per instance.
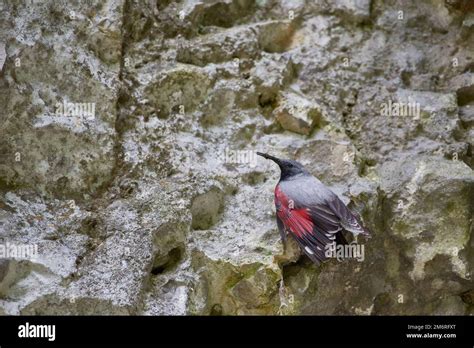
(415, 188)
(358, 10)
(297, 114)
(3, 55)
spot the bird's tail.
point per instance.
(350, 221)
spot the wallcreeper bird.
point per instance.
(312, 213)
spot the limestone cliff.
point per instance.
(152, 203)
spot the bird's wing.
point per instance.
(314, 229)
(312, 238)
(348, 220)
(326, 207)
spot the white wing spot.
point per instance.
(334, 231)
(308, 250)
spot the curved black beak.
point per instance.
(270, 157)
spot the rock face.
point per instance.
(128, 133)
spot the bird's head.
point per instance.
(288, 168)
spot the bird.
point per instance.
(310, 212)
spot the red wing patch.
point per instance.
(299, 222)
